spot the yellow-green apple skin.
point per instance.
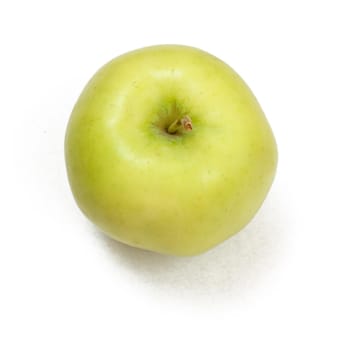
(176, 193)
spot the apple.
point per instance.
(168, 150)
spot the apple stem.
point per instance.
(185, 123)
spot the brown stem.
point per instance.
(185, 123)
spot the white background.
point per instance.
(282, 283)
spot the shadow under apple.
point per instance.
(235, 267)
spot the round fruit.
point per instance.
(167, 149)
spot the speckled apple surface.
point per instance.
(176, 193)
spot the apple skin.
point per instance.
(174, 194)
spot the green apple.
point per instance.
(168, 150)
